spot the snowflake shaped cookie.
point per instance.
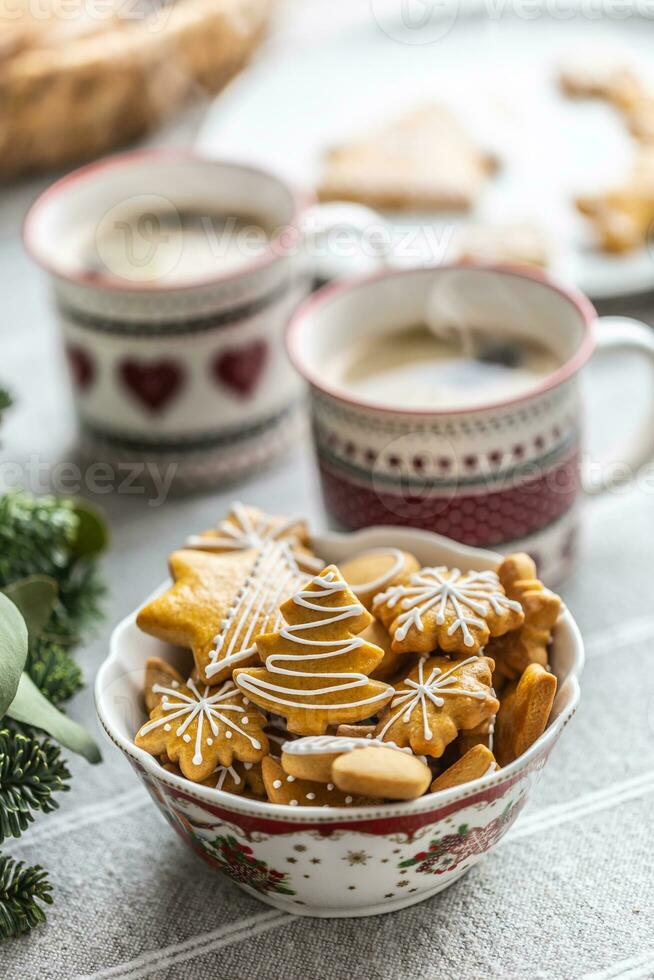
(444, 607)
(438, 699)
(202, 728)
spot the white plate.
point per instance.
(497, 71)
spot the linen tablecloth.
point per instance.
(568, 894)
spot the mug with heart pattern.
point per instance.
(178, 362)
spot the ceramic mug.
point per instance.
(507, 475)
(193, 373)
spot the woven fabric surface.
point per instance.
(568, 894)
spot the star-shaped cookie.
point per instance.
(444, 607)
(219, 603)
(438, 699)
(247, 527)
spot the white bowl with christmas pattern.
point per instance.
(333, 862)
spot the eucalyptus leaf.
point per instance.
(13, 651)
(92, 536)
(35, 598)
(31, 708)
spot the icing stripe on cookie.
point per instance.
(330, 586)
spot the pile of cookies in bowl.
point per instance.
(341, 685)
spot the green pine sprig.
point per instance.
(38, 537)
(30, 772)
(21, 890)
(53, 670)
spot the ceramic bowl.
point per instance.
(345, 862)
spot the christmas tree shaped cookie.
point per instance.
(219, 603)
(439, 698)
(316, 666)
(201, 728)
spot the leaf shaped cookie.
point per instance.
(316, 668)
(219, 603)
(438, 698)
(201, 728)
(444, 607)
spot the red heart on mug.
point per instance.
(155, 384)
(82, 366)
(241, 368)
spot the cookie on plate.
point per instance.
(423, 160)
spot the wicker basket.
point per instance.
(64, 98)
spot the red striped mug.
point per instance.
(507, 474)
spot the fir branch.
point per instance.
(21, 889)
(5, 399)
(30, 772)
(53, 671)
(37, 535)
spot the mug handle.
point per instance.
(372, 238)
(625, 333)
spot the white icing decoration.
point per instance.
(223, 772)
(381, 580)
(294, 803)
(434, 689)
(277, 783)
(325, 744)
(274, 563)
(348, 799)
(311, 796)
(466, 594)
(330, 586)
(240, 532)
(207, 706)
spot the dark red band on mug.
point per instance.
(479, 519)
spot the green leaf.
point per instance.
(13, 651)
(35, 598)
(31, 708)
(91, 536)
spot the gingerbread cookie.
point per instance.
(424, 160)
(524, 713)
(161, 674)
(382, 773)
(312, 757)
(316, 668)
(219, 603)
(393, 662)
(230, 779)
(477, 762)
(482, 734)
(439, 698)
(356, 731)
(246, 528)
(517, 244)
(600, 78)
(202, 729)
(282, 788)
(514, 651)
(372, 571)
(622, 216)
(444, 607)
